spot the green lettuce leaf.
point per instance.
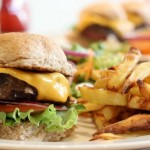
(108, 60)
(52, 119)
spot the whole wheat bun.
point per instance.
(32, 52)
(140, 8)
(29, 132)
(107, 10)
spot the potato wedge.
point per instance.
(99, 119)
(95, 75)
(147, 80)
(107, 136)
(92, 107)
(118, 131)
(140, 72)
(111, 136)
(137, 102)
(134, 123)
(98, 74)
(102, 117)
(101, 83)
(144, 88)
(124, 69)
(110, 112)
(141, 89)
(103, 79)
(135, 91)
(103, 97)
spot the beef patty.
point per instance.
(13, 89)
(97, 32)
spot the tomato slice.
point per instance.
(25, 106)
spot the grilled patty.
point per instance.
(95, 32)
(13, 89)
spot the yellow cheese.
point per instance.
(135, 18)
(121, 27)
(50, 86)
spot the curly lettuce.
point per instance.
(52, 119)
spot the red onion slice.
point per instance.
(76, 54)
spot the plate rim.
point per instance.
(94, 145)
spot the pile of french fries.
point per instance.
(120, 99)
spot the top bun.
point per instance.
(32, 52)
(104, 14)
(107, 10)
(138, 8)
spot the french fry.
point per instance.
(101, 83)
(147, 80)
(134, 123)
(98, 74)
(110, 112)
(137, 102)
(95, 75)
(92, 107)
(140, 72)
(89, 106)
(144, 88)
(135, 91)
(106, 136)
(99, 119)
(119, 98)
(111, 136)
(141, 89)
(103, 97)
(122, 124)
(103, 79)
(124, 69)
(102, 116)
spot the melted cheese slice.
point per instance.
(50, 86)
(121, 27)
(135, 18)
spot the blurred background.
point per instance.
(51, 17)
(56, 16)
(126, 20)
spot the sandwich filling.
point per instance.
(120, 27)
(40, 98)
(50, 86)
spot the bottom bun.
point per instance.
(29, 132)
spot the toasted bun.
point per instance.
(111, 16)
(29, 132)
(106, 9)
(32, 52)
(139, 8)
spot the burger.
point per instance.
(102, 19)
(35, 101)
(138, 12)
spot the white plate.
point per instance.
(79, 141)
